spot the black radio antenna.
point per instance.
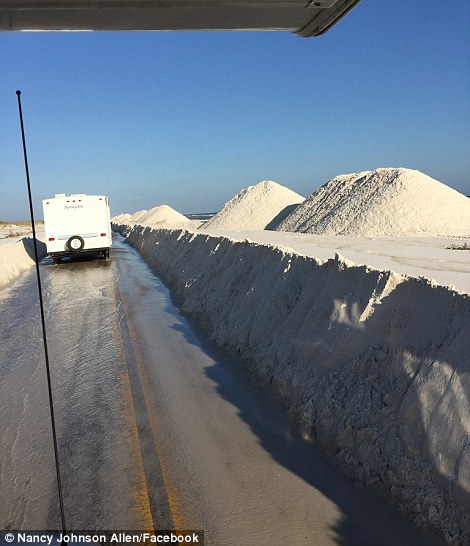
(41, 305)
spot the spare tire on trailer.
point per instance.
(75, 243)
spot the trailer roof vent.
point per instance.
(60, 195)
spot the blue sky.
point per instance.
(189, 119)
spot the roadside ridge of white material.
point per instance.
(373, 364)
(384, 202)
(15, 258)
(254, 207)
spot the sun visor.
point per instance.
(303, 17)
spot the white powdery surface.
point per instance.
(254, 207)
(121, 218)
(9, 231)
(432, 257)
(16, 257)
(14, 260)
(137, 216)
(374, 364)
(163, 214)
(384, 202)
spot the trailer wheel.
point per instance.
(106, 254)
(75, 243)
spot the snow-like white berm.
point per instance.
(384, 202)
(255, 207)
(373, 364)
(17, 258)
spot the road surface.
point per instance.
(156, 428)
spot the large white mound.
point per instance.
(163, 214)
(384, 202)
(121, 218)
(255, 207)
(137, 216)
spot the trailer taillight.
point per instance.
(102, 234)
(51, 239)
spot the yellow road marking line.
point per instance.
(140, 492)
(172, 496)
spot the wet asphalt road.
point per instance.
(156, 428)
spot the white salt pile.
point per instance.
(384, 202)
(137, 216)
(255, 207)
(163, 214)
(121, 218)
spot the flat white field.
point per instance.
(428, 257)
(12, 233)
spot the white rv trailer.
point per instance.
(77, 223)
